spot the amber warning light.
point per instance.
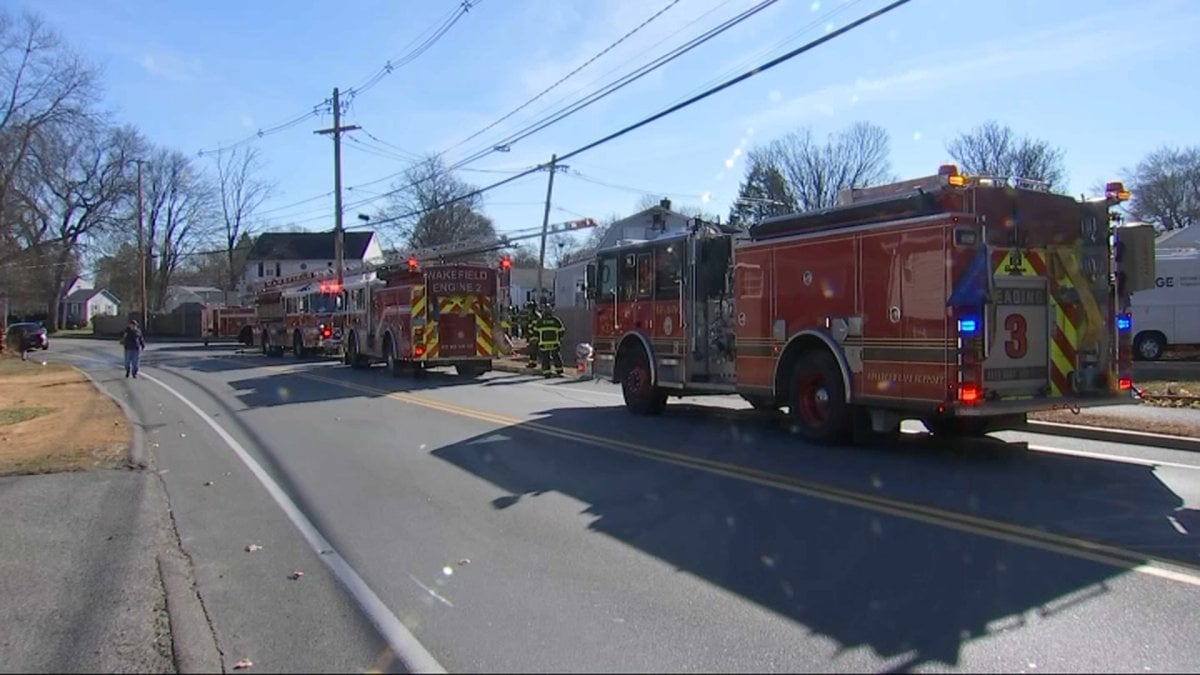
(1116, 191)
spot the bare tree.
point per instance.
(994, 150)
(179, 216)
(816, 173)
(44, 91)
(241, 194)
(1166, 188)
(84, 179)
(420, 206)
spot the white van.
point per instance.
(1169, 313)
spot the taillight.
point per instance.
(328, 332)
(1125, 383)
(969, 393)
(420, 350)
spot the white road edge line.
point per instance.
(405, 645)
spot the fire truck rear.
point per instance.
(426, 317)
(963, 302)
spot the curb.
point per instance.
(192, 641)
(135, 456)
(568, 374)
(1091, 433)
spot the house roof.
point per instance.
(85, 295)
(307, 246)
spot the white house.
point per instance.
(282, 254)
(82, 305)
(652, 223)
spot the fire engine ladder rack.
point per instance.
(483, 244)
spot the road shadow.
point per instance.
(907, 589)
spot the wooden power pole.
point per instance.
(339, 233)
(554, 167)
(142, 257)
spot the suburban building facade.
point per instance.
(282, 254)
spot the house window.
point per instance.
(278, 270)
(260, 270)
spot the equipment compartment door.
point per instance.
(1019, 322)
(456, 335)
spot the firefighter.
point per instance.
(532, 316)
(550, 329)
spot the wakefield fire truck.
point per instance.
(303, 313)
(960, 301)
(426, 315)
(418, 317)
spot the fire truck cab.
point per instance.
(963, 302)
(300, 314)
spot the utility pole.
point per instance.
(554, 167)
(141, 246)
(339, 233)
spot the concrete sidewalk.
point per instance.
(80, 589)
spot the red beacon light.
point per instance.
(412, 263)
(1115, 191)
(506, 263)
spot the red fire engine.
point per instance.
(229, 322)
(303, 313)
(960, 301)
(425, 317)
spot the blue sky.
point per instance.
(1106, 80)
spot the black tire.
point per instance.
(641, 396)
(353, 358)
(297, 345)
(266, 344)
(394, 367)
(817, 399)
(246, 336)
(1149, 346)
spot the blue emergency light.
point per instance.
(1124, 322)
(968, 325)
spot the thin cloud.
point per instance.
(1083, 47)
(170, 67)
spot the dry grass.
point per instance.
(52, 419)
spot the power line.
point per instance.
(668, 111)
(388, 68)
(566, 77)
(460, 165)
(606, 91)
(621, 82)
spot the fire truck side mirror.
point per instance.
(589, 282)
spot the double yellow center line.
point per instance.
(1017, 534)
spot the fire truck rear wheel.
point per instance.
(297, 346)
(641, 396)
(817, 399)
(389, 351)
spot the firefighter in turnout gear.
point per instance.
(529, 326)
(550, 329)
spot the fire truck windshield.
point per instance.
(320, 303)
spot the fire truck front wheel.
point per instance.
(641, 396)
(817, 399)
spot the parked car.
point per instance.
(23, 337)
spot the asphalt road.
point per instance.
(514, 524)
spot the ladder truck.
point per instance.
(435, 310)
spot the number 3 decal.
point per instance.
(1017, 343)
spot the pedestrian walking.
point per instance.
(133, 342)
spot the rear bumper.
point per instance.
(993, 408)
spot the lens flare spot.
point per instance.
(916, 135)
(448, 570)
(816, 6)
